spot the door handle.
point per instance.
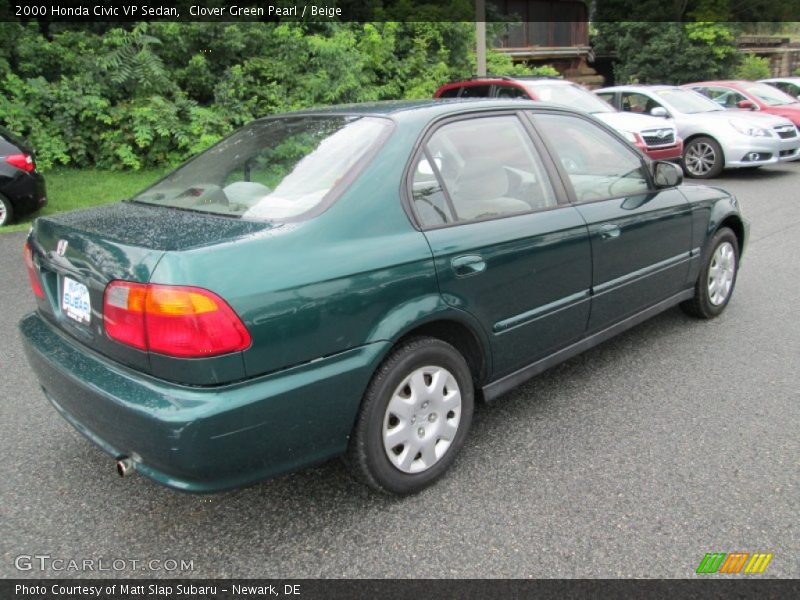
(471, 264)
(609, 231)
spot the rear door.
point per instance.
(508, 248)
(640, 236)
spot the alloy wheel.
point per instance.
(700, 158)
(721, 273)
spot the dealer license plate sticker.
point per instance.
(75, 301)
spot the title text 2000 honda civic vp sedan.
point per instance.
(348, 281)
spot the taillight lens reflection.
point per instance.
(180, 321)
(36, 285)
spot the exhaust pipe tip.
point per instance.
(124, 466)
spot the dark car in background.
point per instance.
(348, 281)
(22, 189)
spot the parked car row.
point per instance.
(690, 123)
(714, 138)
(654, 137)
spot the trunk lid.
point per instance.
(78, 253)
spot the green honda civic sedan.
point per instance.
(350, 281)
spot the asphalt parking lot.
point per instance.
(678, 438)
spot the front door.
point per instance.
(507, 247)
(640, 236)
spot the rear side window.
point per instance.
(475, 91)
(274, 169)
(450, 93)
(509, 91)
(477, 169)
(599, 165)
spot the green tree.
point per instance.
(753, 67)
(669, 52)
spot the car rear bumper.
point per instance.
(26, 192)
(203, 439)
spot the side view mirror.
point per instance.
(746, 104)
(667, 174)
(659, 111)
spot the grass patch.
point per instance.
(70, 189)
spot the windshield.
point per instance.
(271, 169)
(570, 95)
(768, 95)
(688, 101)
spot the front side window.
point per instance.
(638, 103)
(725, 97)
(478, 169)
(274, 169)
(599, 165)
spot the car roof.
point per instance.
(429, 108)
(728, 82)
(640, 86)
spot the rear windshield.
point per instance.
(274, 169)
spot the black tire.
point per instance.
(702, 145)
(6, 211)
(701, 305)
(366, 456)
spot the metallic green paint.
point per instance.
(204, 439)
(325, 300)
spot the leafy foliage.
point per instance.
(152, 94)
(669, 52)
(753, 67)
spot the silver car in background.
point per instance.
(713, 137)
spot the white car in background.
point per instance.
(713, 138)
(788, 85)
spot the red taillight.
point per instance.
(36, 285)
(187, 322)
(22, 161)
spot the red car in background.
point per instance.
(750, 95)
(656, 137)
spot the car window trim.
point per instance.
(406, 194)
(440, 181)
(567, 182)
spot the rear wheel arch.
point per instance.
(459, 335)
